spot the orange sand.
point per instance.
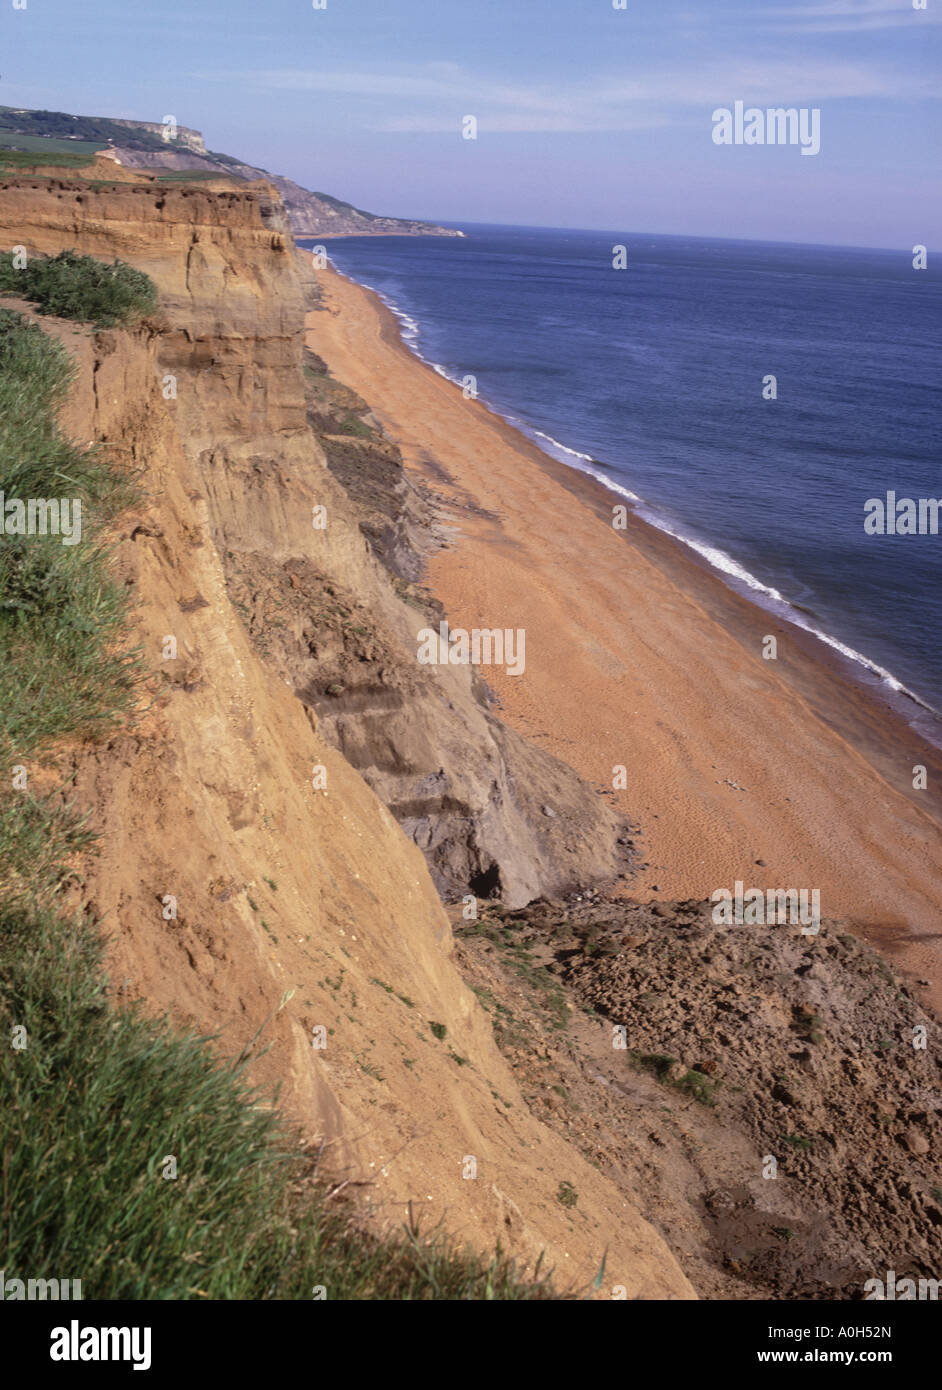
(638, 655)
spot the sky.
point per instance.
(587, 115)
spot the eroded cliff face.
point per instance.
(252, 882)
(494, 816)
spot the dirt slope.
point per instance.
(773, 1100)
(298, 903)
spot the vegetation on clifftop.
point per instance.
(71, 286)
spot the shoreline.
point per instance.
(918, 714)
(867, 839)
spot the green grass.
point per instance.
(403, 998)
(100, 1097)
(48, 145)
(71, 286)
(693, 1083)
(807, 1024)
(79, 287)
(798, 1141)
(57, 126)
(353, 426)
(549, 993)
(12, 160)
(39, 838)
(63, 669)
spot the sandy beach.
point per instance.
(778, 774)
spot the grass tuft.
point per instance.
(63, 669)
(71, 286)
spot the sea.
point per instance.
(647, 361)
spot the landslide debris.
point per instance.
(340, 622)
(765, 1104)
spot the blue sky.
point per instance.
(587, 116)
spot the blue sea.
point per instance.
(651, 378)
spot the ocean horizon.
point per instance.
(654, 379)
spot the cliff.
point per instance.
(301, 902)
(148, 145)
(310, 214)
(183, 136)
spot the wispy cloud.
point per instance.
(433, 97)
(525, 123)
(851, 16)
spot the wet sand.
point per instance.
(638, 655)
